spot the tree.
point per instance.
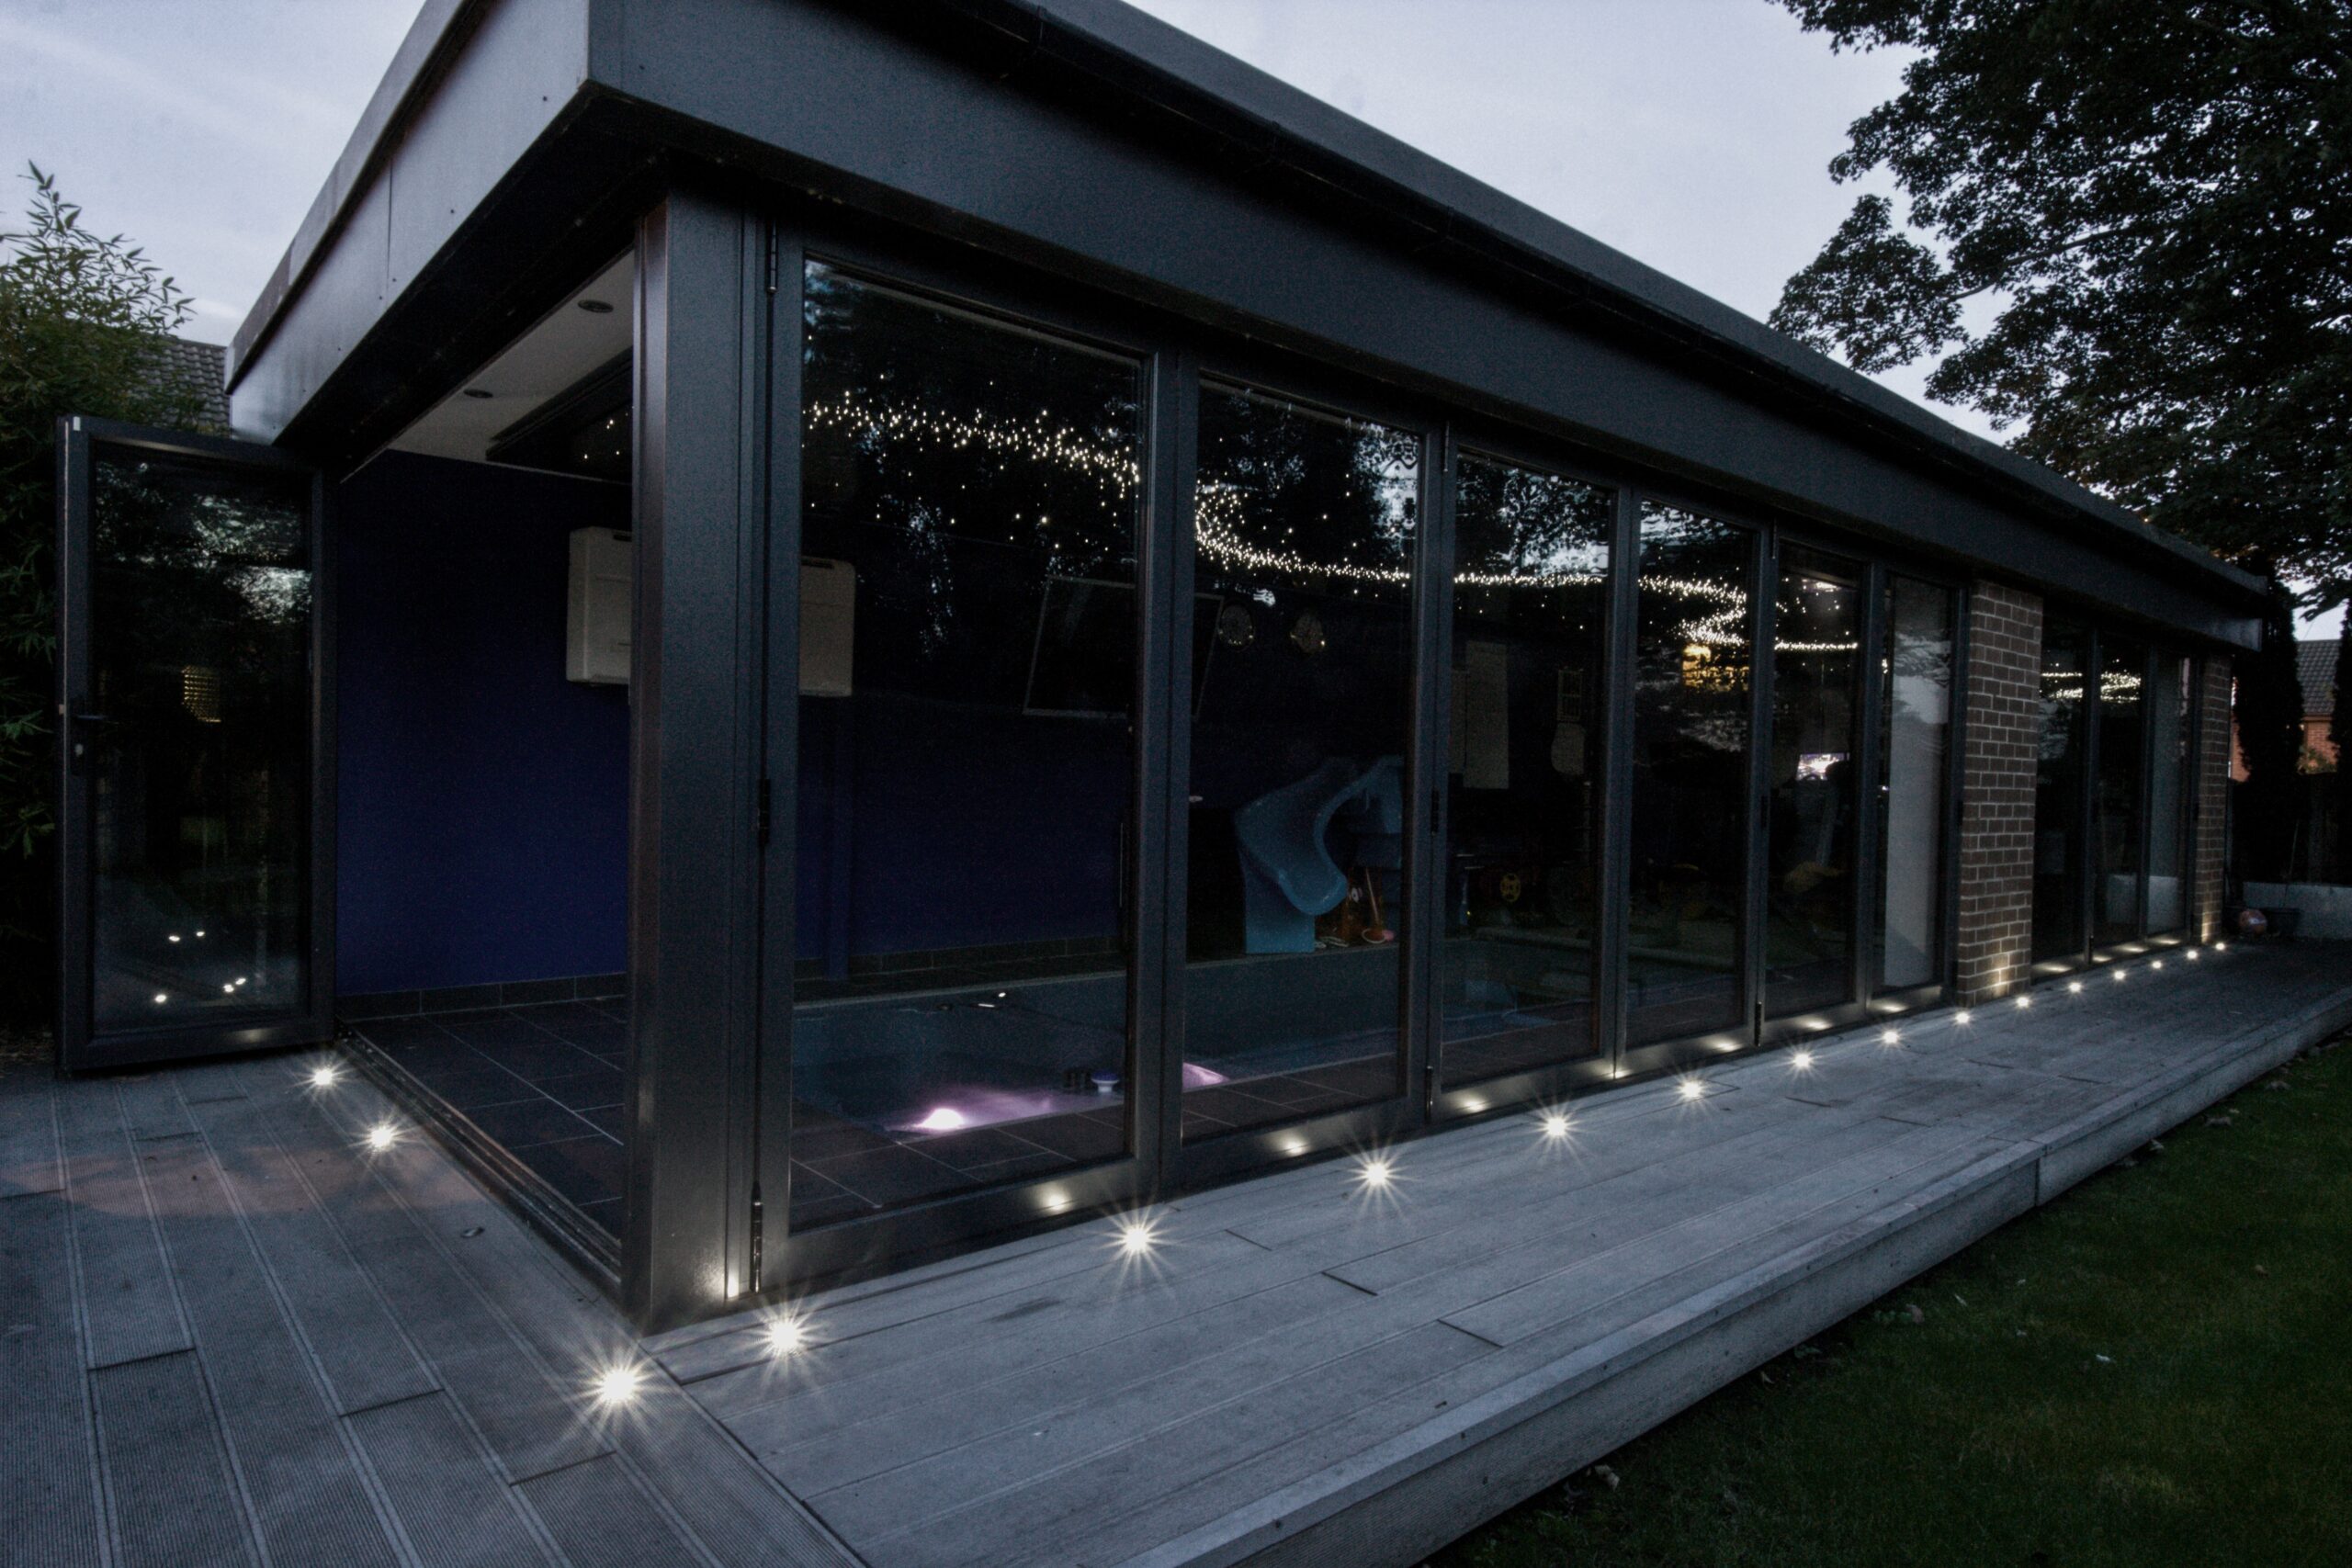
(2127, 232)
(84, 323)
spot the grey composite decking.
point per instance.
(232, 1336)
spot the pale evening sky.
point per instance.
(1692, 134)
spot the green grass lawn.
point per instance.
(2155, 1370)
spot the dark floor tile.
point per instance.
(592, 1035)
(1076, 1137)
(816, 1202)
(542, 1059)
(977, 1145)
(485, 1087)
(1234, 1104)
(894, 1174)
(1014, 1170)
(831, 1142)
(586, 1170)
(582, 1091)
(538, 1119)
(610, 1120)
(1282, 1090)
(1197, 1126)
(1374, 1078)
(505, 1030)
(393, 1032)
(431, 1064)
(527, 993)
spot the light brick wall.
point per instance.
(2208, 852)
(1994, 941)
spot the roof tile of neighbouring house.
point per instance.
(2315, 664)
(203, 368)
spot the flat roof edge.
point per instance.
(1203, 73)
(438, 33)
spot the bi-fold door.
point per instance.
(1184, 764)
(196, 819)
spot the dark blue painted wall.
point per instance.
(483, 799)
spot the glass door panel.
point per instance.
(2058, 796)
(2123, 767)
(2168, 796)
(1692, 656)
(1521, 864)
(1916, 753)
(1305, 536)
(195, 917)
(1813, 783)
(968, 673)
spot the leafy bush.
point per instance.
(84, 324)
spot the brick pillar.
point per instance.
(2207, 851)
(1995, 942)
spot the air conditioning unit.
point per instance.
(597, 610)
(596, 617)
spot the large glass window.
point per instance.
(1914, 760)
(1815, 791)
(2122, 769)
(1305, 536)
(1530, 598)
(2169, 796)
(200, 594)
(2058, 795)
(1693, 651)
(968, 660)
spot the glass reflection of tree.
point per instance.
(1316, 499)
(959, 438)
(201, 600)
(1530, 543)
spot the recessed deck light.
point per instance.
(1373, 1173)
(2221, 947)
(2118, 976)
(1961, 1017)
(1556, 1124)
(162, 997)
(324, 1074)
(618, 1385)
(2156, 963)
(173, 937)
(1691, 1089)
(2024, 1002)
(786, 1334)
(382, 1137)
(1890, 1037)
(1137, 1237)
(945, 1119)
(1801, 1061)
(2191, 955)
(2075, 987)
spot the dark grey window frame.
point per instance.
(718, 430)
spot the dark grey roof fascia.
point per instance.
(1139, 54)
(438, 33)
(1215, 80)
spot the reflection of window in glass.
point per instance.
(1692, 657)
(2058, 933)
(2169, 796)
(1814, 799)
(1913, 770)
(1530, 597)
(970, 497)
(2122, 734)
(1305, 524)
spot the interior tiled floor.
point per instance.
(544, 1081)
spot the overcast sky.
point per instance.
(1694, 135)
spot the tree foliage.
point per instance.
(83, 322)
(2154, 198)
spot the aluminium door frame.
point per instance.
(78, 1049)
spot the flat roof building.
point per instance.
(841, 630)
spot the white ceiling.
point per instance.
(566, 344)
